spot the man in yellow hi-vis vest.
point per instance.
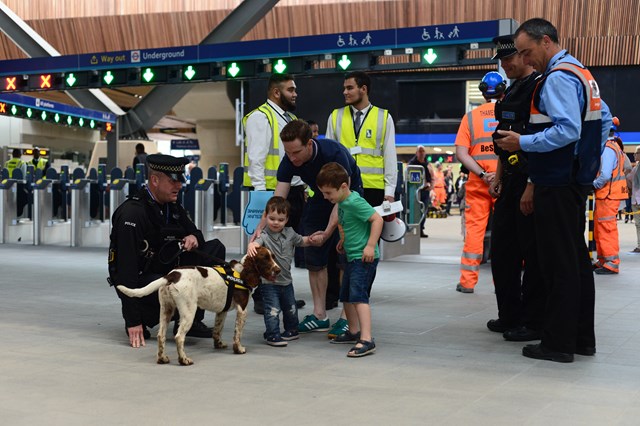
(369, 134)
(16, 163)
(263, 149)
(38, 162)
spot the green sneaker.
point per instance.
(339, 327)
(312, 323)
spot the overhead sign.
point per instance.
(190, 144)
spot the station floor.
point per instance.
(66, 359)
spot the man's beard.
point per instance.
(288, 105)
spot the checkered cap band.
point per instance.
(167, 169)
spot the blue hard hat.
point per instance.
(492, 84)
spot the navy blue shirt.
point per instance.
(325, 151)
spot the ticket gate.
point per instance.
(15, 225)
(120, 187)
(50, 224)
(88, 227)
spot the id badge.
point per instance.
(356, 150)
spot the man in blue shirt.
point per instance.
(564, 137)
(305, 157)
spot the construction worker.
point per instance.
(263, 150)
(16, 163)
(439, 186)
(474, 149)
(610, 188)
(519, 296)
(369, 134)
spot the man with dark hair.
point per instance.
(263, 150)
(369, 134)
(567, 127)
(420, 159)
(305, 157)
(16, 163)
(141, 155)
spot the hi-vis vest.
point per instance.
(41, 163)
(273, 156)
(616, 188)
(565, 165)
(482, 124)
(371, 140)
(11, 165)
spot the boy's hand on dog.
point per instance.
(252, 249)
(136, 336)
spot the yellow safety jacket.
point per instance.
(370, 139)
(273, 156)
(41, 163)
(11, 165)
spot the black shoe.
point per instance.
(540, 352)
(605, 271)
(300, 304)
(521, 334)
(198, 329)
(423, 235)
(258, 307)
(586, 350)
(330, 304)
(497, 326)
(145, 333)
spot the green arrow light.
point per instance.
(56, 118)
(29, 112)
(43, 115)
(344, 62)
(280, 66)
(71, 80)
(148, 75)
(108, 77)
(430, 56)
(189, 73)
(69, 120)
(234, 69)
(81, 122)
(14, 110)
(92, 124)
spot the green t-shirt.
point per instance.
(353, 220)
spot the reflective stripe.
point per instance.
(468, 255)
(470, 119)
(485, 157)
(605, 218)
(612, 266)
(371, 170)
(469, 267)
(370, 151)
(480, 140)
(610, 258)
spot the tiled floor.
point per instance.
(65, 358)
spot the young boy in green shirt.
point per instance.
(360, 227)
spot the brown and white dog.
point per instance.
(191, 287)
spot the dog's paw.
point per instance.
(219, 344)
(239, 349)
(163, 359)
(186, 361)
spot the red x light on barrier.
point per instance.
(108, 127)
(45, 81)
(10, 83)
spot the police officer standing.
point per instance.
(147, 231)
(520, 297)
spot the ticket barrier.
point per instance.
(50, 224)
(410, 180)
(88, 227)
(15, 224)
(120, 187)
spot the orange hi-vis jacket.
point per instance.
(475, 132)
(616, 188)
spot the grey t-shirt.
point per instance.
(282, 245)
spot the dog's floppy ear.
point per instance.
(236, 266)
(249, 273)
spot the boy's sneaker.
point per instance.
(290, 335)
(340, 327)
(346, 337)
(312, 323)
(276, 341)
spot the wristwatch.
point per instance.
(482, 174)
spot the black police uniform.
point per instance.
(144, 247)
(520, 296)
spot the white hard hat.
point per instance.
(393, 230)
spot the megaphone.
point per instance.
(393, 228)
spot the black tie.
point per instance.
(287, 117)
(358, 122)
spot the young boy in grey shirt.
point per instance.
(278, 295)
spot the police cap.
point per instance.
(505, 46)
(169, 165)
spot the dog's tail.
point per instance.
(144, 291)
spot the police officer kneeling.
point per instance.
(148, 230)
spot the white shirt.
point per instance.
(259, 135)
(388, 150)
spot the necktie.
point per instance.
(287, 117)
(358, 122)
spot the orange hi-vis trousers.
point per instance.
(605, 232)
(478, 206)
